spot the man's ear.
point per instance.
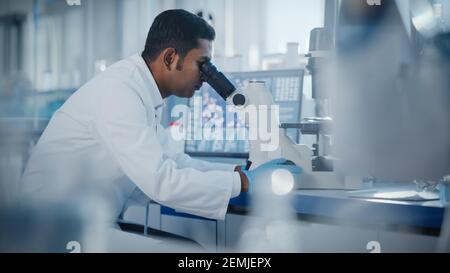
(170, 58)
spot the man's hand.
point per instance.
(244, 179)
(263, 174)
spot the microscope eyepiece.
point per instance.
(221, 84)
(217, 80)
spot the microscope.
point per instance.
(317, 166)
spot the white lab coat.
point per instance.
(106, 140)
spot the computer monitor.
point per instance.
(286, 87)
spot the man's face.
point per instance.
(187, 77)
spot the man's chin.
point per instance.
(186, 94)
(190, 94)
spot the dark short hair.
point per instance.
(178, 29)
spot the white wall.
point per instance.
(259, 27)
(137, 17)
(239, 29)
(11, 6)
(249, 32)
(72, 39)
(292, 21)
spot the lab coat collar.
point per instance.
(149, 81)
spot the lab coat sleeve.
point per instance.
(183, 160)
(121, 124)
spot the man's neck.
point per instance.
(157, 76)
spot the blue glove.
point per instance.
(262, 176)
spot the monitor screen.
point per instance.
(286, 88)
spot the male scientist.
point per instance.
(107, 138)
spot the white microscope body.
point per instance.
(256, 96)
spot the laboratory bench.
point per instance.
(326, 220)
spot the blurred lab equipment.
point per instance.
(444, 190)
(302, 155)
(256, 94)
(390, 94)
